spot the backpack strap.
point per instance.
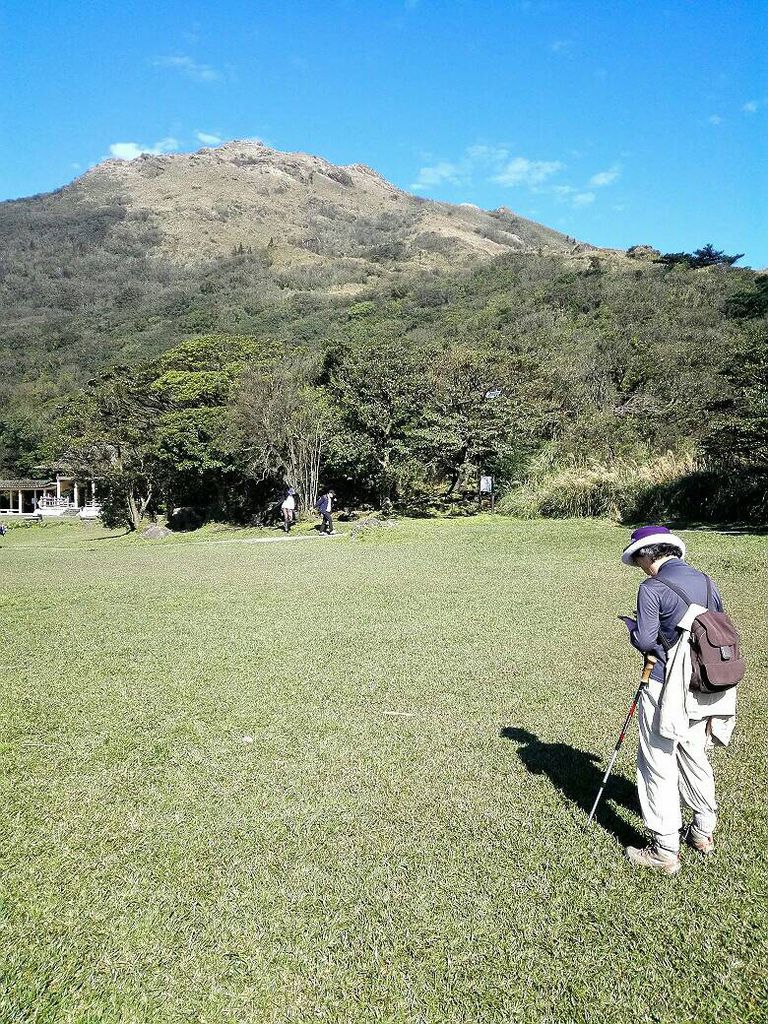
(681, 593)
(683, 596)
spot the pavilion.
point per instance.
(49, 498)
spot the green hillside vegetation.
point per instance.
(591, 391)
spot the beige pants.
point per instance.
(668, 770)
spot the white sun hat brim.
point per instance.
(653, 538)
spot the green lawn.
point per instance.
(345, 781)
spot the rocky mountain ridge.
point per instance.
(244, 194)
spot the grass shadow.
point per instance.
(577, 774)
(98, 540)
(706, 499)
(725, 528)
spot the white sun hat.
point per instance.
(647, 535)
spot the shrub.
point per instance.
(615, 489)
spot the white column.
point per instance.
(21, 499)
(93, 492)
(58, 486)
(77, 495)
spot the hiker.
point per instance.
(288, 509)
(324, 507)
(675, 724)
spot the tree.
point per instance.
(20, 440)
(736, 441)
(158, 435)
(748, 304)
(106, 432)
(485, 414)
(707, 256)
(283, 425)
(381, 388)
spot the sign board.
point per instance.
(486, 485)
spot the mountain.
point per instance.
(205, 204)
(477, 339)
(134, 255)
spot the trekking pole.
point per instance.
(650, 661)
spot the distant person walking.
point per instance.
(676, 723)
(288, 508)
(325, 506)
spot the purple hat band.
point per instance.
(648, 531)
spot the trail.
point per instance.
(153, 545)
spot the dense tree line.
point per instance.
(526, 367)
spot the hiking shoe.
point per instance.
(654, 858)
(699, 840)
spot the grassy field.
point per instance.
(345, 780)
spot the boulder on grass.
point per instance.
(156, 532)
(185, 518)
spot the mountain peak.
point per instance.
(243, 193)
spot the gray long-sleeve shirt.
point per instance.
(659, 609)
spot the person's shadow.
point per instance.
(578, 774)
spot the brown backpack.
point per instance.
(716, 658)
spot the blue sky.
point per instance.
(617, 121)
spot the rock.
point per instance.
(643, 252)
(156, 532)
(371, 523)
(185, 518)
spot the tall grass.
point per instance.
(618, 488)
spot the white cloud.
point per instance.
(130, 150)
(189, 67)
(166, 145)
(126, 150)
(492, 163)
(493, 155)
(751, 107)
(488, 163)
(522, 171)
(715, 119)
(561, 46)
(573, 196)
(605, 177)
(208, 138)
(444, 171)
(496, 164)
